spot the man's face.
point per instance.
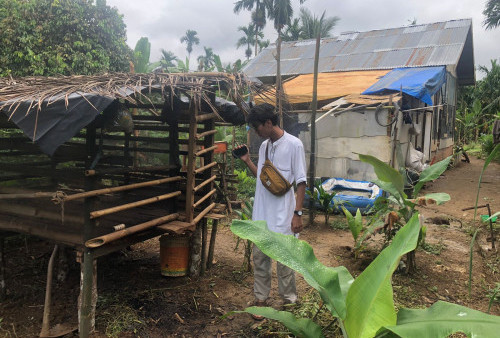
(264, 130)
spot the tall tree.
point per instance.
(167, 59)
(281, 12)
(258, 15)
(249, 38)
(205, 62)
(492, 14)
(47, 37)
(190, 39)
(311, 24)
(489, 88)
(141, 55)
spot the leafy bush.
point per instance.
(246, 184)
(487, 146)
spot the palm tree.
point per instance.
(492, 14)
(263, 44)
(281, 12)
(292, 31)
(258, 15)
(206, 61)
(190, 39)
(249, 38)
(311, 23)
(167, 59)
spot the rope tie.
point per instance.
(58, 198)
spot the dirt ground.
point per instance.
(135, 300)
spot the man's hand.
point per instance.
(246, 158)
(296, 224)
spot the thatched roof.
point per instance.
(36, 90)
(50, 110)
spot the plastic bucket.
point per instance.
(221, 147)
(174, 255)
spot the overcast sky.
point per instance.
(164, 22)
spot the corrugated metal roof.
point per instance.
(441, 43)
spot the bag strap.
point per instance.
(267, 149)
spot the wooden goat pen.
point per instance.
(106, 188)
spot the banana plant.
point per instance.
(359, 231)
(392, 181)
(324, 198)
(363, 306)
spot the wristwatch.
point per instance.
(298, 212)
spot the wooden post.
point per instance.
(87, 300)
(191, 158)
(211, 247)
(3, 287)
(203, 224)
(88, 294)
(312, 157)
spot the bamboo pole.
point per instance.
(121, 188)
(204, 198)
(100, 241)
(206, 133)
(103, 212)
(206, 150)
(204, 117)
(204, 183)
(203, 213)
(202, 169)
(26, 195)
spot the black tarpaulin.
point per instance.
(56, 122)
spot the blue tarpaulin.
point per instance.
(421, 83)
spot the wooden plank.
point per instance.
(177, 227)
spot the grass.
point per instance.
(434, 249)
(117, 317)
(339, 223)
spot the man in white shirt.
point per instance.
(283, 214)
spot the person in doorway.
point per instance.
(283, 214)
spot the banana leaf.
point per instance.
(331, 283)
(443, 319)
(431, 173)
(370, 303)
(355, 223)
(437, 198)
(384, 172)
(300, 327)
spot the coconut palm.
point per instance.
(190, 39)
(292, 31)
(248, 38)
(258, 15)
(492, 14)
(281, 12)
(263, 44)
(206, 61)
(311, 24)
(167, 59)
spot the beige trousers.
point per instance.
(262, 278)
